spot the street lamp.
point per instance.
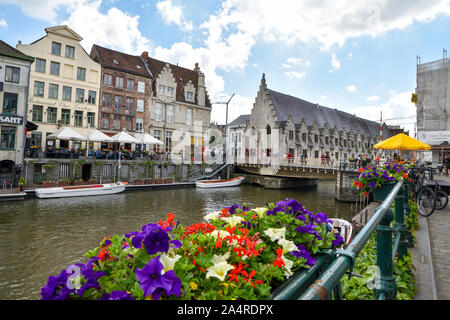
(226, 117)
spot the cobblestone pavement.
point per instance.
(439, 230)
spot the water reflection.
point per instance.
(40, 237)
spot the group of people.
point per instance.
(327, 160)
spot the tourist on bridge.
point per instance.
(446, 162)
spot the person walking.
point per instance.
(447, 164)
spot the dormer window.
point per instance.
(189, 96)
(170, 91)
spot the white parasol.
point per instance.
(66, 133)
(146, 138)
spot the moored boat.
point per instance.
(219, 183)
(80, 191)
(344, 228)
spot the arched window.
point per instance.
(268, 130)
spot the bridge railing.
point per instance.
(323, 280)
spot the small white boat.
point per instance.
(80, 191)
(344, 228)
(219, 183)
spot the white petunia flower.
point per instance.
(219, 270)
(275, 234)
(233, 221)
(168, 262)
(212, 216)
(260, 211)
(287, 245)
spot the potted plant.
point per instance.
(64, 182)
(148, 180)
(48, 184)
(138, 181)
(21, 182)
(379, 179)
(78, 182)
(159, 180)
(169, 180)
(93, 181)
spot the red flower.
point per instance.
(279, 260)
(249, 277)
(168, 222)
(233, 275)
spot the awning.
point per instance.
(31, 126)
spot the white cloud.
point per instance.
(295, 74)
(114, 29)
(373, 98)
(351, 88)
(173, 14)
(3, 23)
(398, 107)
(335, 64)
(44, 10)
(323, 97)
(237, 106)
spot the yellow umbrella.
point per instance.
(402, 142)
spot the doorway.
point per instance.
(86, 172)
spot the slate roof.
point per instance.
(125, 62)
(286, 105)
(7, 50)
(181, 75)
(243, 118)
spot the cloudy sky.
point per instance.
(356, 56)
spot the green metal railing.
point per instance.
(323, 280)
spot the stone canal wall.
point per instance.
(344, 189)
(39, 171)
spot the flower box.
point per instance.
(148, 181)
(379, 194)
(93, 181)
(48, 184)
(168, 180)
(63, 183)
(138, 181)
(159, 181)
(79, 182)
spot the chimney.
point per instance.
(144, 55)
(201, 88)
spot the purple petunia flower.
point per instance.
(309, 228)
(304, 253)
(154, 283)
(155, 242)
(338, 241)
(117, 295)
(56, 288)
(372, 185)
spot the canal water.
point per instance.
(40, 237)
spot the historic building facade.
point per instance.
(280, 125)
(14, 82)
(64, 86)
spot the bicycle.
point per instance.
(424, 196)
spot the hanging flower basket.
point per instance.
(379, 194)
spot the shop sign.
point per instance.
(8, 119)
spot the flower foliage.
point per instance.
(236, 253)
(373, 176)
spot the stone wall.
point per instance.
(344, 189)
(36, 171)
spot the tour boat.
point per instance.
(344, 228)
(80, 191)
(219, 183)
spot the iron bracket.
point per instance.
(352, 258)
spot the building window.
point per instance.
(36, 138)
(37, 113)
(12, 74)
(79, 95)
(130, 84)
(190, 96)
(316, 138)
(326, 140)
(78, 118)
(316, 154)
(119, 82)
(105, 120)
(117, 122)
(107, 79)
(128, 123)
(157, 135)
(65, 116)
(40, 65)
(291, 135)
(158, 111)
(54, 68)
(168, 141)
(304, 136)
(91, 119)
(8, 138)
(92, 96)
(67, 93)
(189, 116)
(106, 100)
(10, 103)
(52, 91)
(70, 52)
(118, 101)
(81, 74)
(141, 86)
(169, 113)
(140, 105)
(162, 89)
(39, 89)
(56, 48)
(51, 115)
(129, 103)
(139, 124)
(170, 92)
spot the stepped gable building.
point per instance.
(179, 100)
(14, 82)
(125, 91)
(64, 87)
(309, 129)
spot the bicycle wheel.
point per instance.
(441, 199)
(426, 201)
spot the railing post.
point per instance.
(386, 288)
(399, 225)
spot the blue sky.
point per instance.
(359, 57)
